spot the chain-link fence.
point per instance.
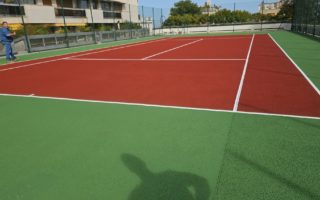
(307, 17)
(52, 24)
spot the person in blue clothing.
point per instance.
(6, 38)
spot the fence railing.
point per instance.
(56, 41)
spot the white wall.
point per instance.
(39, 14)
(212, 29)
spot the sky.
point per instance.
(249, 5)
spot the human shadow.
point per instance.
(167, 185)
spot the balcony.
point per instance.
(112, 15)
(11, 10)
(70, 12)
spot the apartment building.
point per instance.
(271, 8)
(76, 12)
(209, 8)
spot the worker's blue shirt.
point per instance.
(5, 35)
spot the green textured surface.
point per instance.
(305, 51)
(271, 158)
(71, 150)
(53, 149)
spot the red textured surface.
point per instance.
(213, 48)
(203, 84)
(139, 52)
(273, 84)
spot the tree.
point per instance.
(286, 11)
(184, 8)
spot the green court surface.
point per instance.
(56, 149)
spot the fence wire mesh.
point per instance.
(307, 17)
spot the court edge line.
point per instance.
(65, 58)
(120, 47)
(172, 49)
(155, 59)
(213, 38)
(296, 65)
(157, 106)
(237, 100)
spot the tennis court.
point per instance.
(200, 117)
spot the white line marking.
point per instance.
(159, 106)
(296, 65)
(175, 48)
(65, 58)
(213, 38)
(236, 103)
(133, 59)
(117, 48)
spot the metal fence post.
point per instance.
(65, 24)
(316, 17)
(92, 23)
(130, 26)
(24, 28)
(153, 22)
(161, 21)
(262, 8)
(234, 14)
(143, 25)
(208, 20)
(114, 22)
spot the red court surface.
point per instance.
(195, 72)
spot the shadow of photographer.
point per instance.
(167, 185)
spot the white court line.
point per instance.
(296, 65)
(117, 48)
(155, 59)
(236, 103)
(214, 38)
(175, 48)
(158, 106)
(65, 58)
